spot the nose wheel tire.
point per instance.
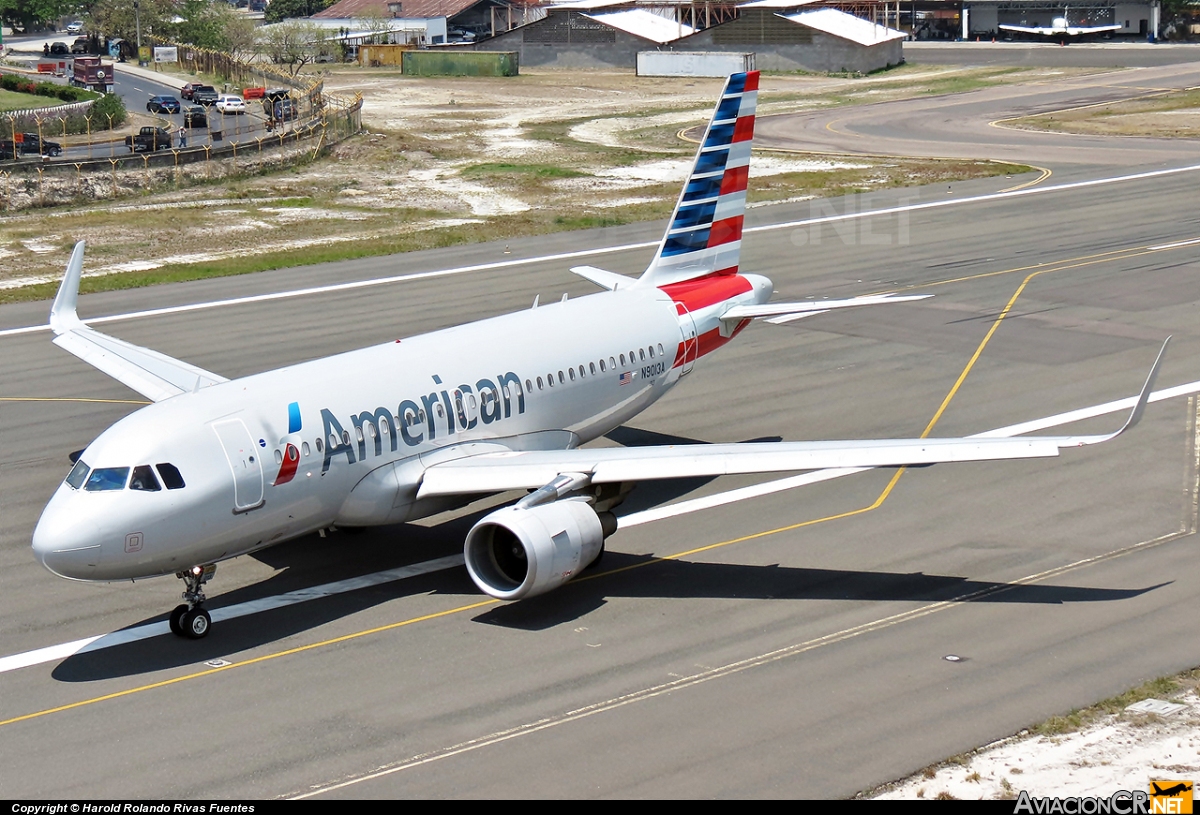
(176, 616)
(195, 623)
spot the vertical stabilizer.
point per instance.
(705, 233)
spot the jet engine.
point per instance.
(520, 551)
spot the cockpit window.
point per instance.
(78, 475)
(107, 478)
(143, 479)
(170, 476)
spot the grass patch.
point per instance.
(1160, 688)
(11, 100)
(1149, 115)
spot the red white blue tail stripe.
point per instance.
(705, 234)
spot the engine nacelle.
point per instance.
(520, 552)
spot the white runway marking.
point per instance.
(582, 253)
(68, 649)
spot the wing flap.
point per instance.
(530, 470)
(150, 373)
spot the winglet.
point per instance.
(62, 314)
(1144, 396)
(1135, 415)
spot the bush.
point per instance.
(109, 105)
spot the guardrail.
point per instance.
(52, 112)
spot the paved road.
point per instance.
(789, 644)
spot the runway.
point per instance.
(765, 643)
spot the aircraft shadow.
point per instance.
(690, 580)
(657, 578)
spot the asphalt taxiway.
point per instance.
(764, 643)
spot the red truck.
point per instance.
(91, 73)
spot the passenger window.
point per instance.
(660, 350)
(571, 371)
(278, 458)
(357, 432)
(601, 366)
(170, 476)
(320, 446)
(562, 379)
(592, 366)
(581, 374)
(622, 360)
(305, 449)
(612, 363)
(104, 479)
(292, 454)
(78, 475)
(143, 479)
(539, 381)
(651, 349)
(528, 386)
(642, 354)
(333, 440)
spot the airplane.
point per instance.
(1060, 27)
(1170, 792)
(213, 468)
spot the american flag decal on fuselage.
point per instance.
(705, 234)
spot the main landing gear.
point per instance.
(189, 619)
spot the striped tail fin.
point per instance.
(705, 234)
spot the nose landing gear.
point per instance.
(189, 619)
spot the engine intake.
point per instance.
(520, 552)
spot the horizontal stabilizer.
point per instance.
(738, 313)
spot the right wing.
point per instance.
(576, 468)
(154, 375)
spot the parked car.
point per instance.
(163, 104)
(35, 145)
(59, 49)
(74, 27)
(229, 103)
(205, 95)
(195, 116)
(82, 45)
(7, 152)
(283, 110)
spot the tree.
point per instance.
(279, 10)
(118, 18)
(293, 43)
(26, 14)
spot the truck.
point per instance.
(91, 72)
(149, 139)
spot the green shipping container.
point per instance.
(459, 63)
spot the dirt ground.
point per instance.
(448, 160)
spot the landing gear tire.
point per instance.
(195, 624)
(176, 616)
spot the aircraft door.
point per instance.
(687, 327)
(244, 461)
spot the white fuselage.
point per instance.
(369, 423)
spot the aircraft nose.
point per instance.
(62, 544)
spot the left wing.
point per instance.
(496, 472)
(154, 375)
